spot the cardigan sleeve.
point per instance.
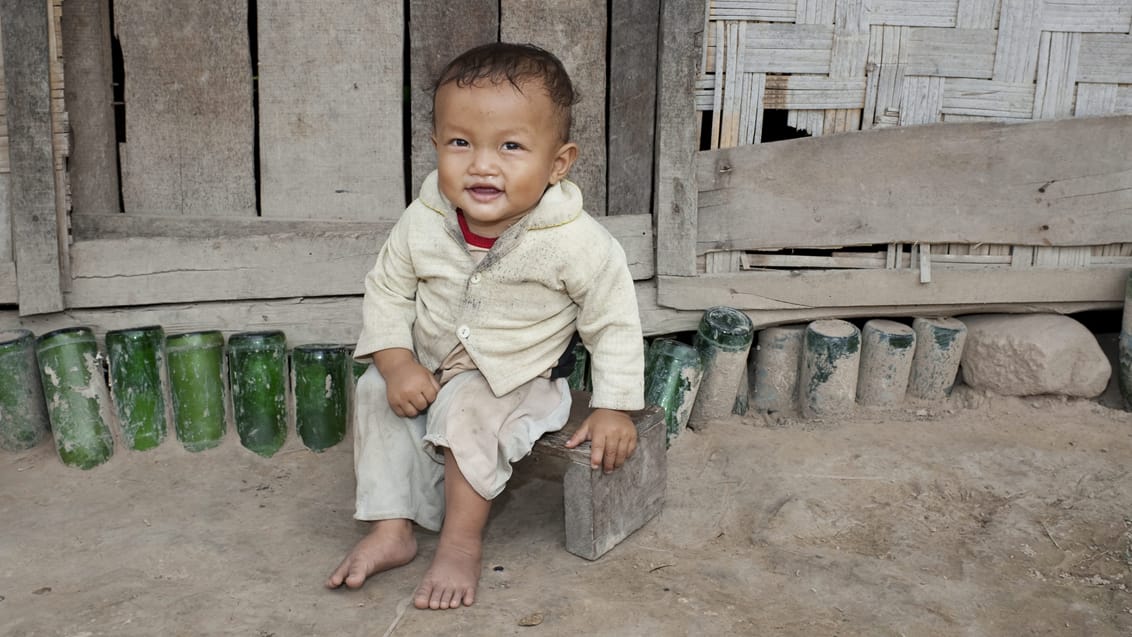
(389, 305)
(610, 326)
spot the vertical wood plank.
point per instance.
(633, 32)
(93, 162)
(438, 32)
(188, 101)
(977, 14)
(675, 216)
(573, 30)
(922, 100)
(330, 109)
(35, 234)
(849, 57)
(5, 211)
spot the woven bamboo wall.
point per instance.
(847, 65)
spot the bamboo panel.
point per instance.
(992, 59)
(4, 165)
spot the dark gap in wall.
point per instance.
(253, 49)
(118, 86)
(775, 128)
(1101, 321)
(705, 130)
(406, 110)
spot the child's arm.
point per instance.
(612, 436)
(409, 387)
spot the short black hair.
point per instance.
(515, 63)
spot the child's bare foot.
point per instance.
(389, 544)
(452, 578)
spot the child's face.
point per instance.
(497, 149)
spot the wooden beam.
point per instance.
(330, 319)
(438, 32)
(130, 260)
(840, 289)
(681, 33)
(331, 96)
(1062, 182)
(573, 30)
(35, 233)
(634, 28)
(93, 163)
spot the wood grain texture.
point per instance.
(31, 195)
(438, 32)
(1063, 182)
(632, 105)
(675, 190)
(188, 87)
(9, 291)
(837, 290)
(330, 109)
(575, 31)
(93, 162)
(125, 259)
(602, 509)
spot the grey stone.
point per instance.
(1030, 354)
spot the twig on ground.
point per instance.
(1050, 535)
(402, 606)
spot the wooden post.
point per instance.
(35, 231)
(633, 31)
(681, 28)
(777, 361)
(887, 348)
(1124, 371)
(939, 348)
(93, 162)
(831, 356)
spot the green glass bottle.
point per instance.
(257, 372)
(673, 372)
(137, 360)
(723, 339)
(196, 384)
(321, 378)
(78, 402)
(23, 414)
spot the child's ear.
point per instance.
(563, 161)
(432, 137)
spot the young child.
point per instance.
(475, 298)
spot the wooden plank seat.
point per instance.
(603, 509)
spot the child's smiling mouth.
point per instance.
(484, 193)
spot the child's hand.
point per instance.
(409, 387)
(612, 436)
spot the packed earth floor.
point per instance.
(981, 515)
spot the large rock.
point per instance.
(1028, 354)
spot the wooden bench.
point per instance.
(603, 509)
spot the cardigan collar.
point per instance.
(560, 204)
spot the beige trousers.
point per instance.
(397, 461)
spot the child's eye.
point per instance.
(458, 142)
(512, 146)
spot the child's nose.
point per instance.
(484, 162)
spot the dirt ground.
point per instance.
(979, 516)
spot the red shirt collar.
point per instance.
(470, 237)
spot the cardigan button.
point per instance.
(475, 277)
(463, 331)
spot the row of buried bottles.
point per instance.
(822, 368)
(57, 383)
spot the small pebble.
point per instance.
(534, 619)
